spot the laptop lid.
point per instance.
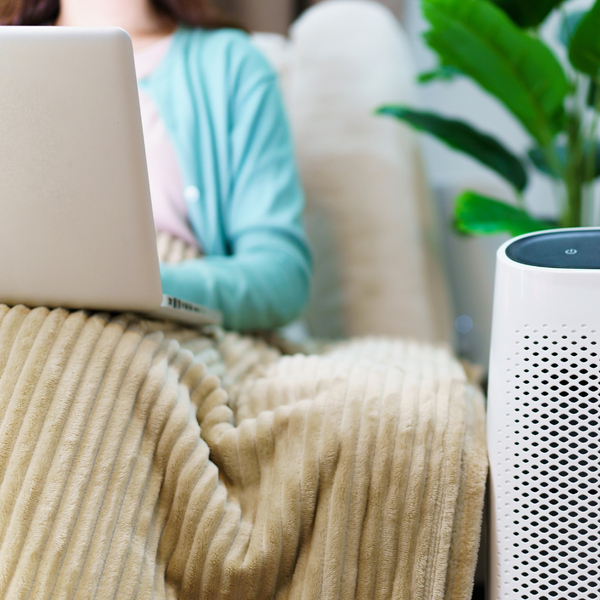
(76, 226)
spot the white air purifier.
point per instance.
(543, 418)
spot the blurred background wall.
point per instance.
(277, 15)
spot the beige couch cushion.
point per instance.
(366, 203)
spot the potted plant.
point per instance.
(495, 43)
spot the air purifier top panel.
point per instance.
(566, 249)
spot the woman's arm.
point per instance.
(264, 283)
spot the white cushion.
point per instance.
(366, 202)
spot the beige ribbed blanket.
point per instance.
(133, 465)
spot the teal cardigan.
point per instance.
(222, 109)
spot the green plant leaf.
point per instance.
(440, 73)
(479, 215)
(519, 70)
(467, 139)
(568, 25)
(527, 13)
(584, 50)
(592, 94)
(539, 160)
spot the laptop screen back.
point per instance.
(76, 226)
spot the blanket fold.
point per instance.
(138, 460)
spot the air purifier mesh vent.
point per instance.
(551, 492)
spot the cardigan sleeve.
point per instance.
(264, 280)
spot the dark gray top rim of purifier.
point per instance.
(562, 249)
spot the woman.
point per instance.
(220, 158)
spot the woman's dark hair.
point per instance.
(194, 13)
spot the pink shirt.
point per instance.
(166, 188)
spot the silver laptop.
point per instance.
(76, 226)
